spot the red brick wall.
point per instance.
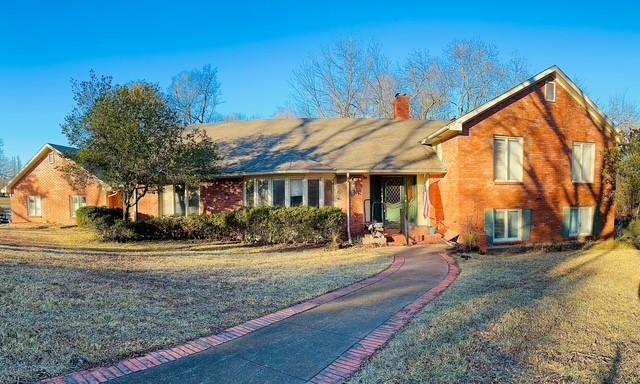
(222, 195)
(48, 182)
(357, 201)
(148, 206)
(549, 130)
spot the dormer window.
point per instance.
(550, 91)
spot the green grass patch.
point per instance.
(65, 311)
(532, 318)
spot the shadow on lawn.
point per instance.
(461, 336)
(533, 281)
(614, 372)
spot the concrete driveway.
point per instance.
(297, 349)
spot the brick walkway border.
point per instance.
(163, 356)
(355, 358)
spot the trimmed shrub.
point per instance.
(97, 217)
(265, 225)
(632, 233)
(300, 225)
(121, 231)
(633, 229)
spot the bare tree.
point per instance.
(347, 80)
(423, 79)
(624, 113)
(9, 167)
(4, 166)
(475, 74)
(332, 84)
(195, 94)
(382, 84)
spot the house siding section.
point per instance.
(549, 130)
(357, 190)
(47, 181)
(148, 206)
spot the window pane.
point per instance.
(574, 220)
(515, 160)
(498, 227)
(248, 192)
(514, 225)
(295, 191)
(34, 205)
(76, 203)
(588, 160)
(166, 198)
(313, 188)
(180, 206)
(550, 91)
(500, 159)
(263, 192)
(585, 221)
(328, 193)
(193, 200)
(278, 193)
(576, 168)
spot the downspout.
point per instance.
(349, 209)
(405, 208)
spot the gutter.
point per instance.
(333, 172)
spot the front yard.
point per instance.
(538, 318)
(55, 236)
(66, 310)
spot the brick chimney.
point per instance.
(402, 107)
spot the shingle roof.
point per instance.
(325, 145)
(67, 151)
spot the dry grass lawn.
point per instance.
(72, 237)
(68, 310)
(532, 318)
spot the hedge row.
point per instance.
(265, 225)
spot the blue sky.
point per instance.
(256, 45)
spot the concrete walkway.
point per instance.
(298, 348)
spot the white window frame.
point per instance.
(172, 190)
(582, 178)
(72, 207)
(303, 182)
(589, 211)
(546, 91)
(506, 238)
(271, 193)
(287, 189)
(35, 213)
(507, 165)
(51, 158)
(256, 194)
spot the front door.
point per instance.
(392, 199)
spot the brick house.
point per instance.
(524, 167)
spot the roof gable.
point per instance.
(455, 127)
(62, 150)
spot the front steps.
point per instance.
(392, 237)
